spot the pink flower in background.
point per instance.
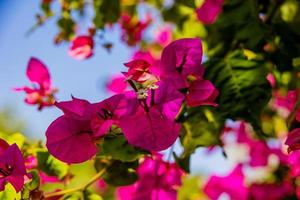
(287, 101)
(12, 167)
(31, 162)
(82, 47)
(294, 163)
(164, 35)
(209, 11)
(158, 180)
(271, 79)
(42, 92)
(233, 185)
(271, 191)
(117, 84)
(133, 28)
(259, 151)
(293, 140)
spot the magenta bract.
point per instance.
(293, 140)
(209, 11)
(82, 47)
(12, 167)
(158, 180)
(232, 184)
(42, 94)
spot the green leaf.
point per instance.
(17, 138)
(9, 193)
(188, 3)
(176, 14)
(117, 147)
(90, 195)
(202, 127)
(183, 162)
(106, 12)
(35, 181)
(50, 165)
(244, 89)
(73, 196)
(117, 173)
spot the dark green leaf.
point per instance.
(90, 195)
(201, 128)
(51, 165)
(117, 147)
(244, 89)
(106, 12)
(117, 173)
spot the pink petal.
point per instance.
(201, 92)
(66, 138)
(37, 72)
(209, 11)
(232, 184)
(184, 56)
(81, 47)
(78, 108)
(154, 131)
(293, 140)
(117, 84)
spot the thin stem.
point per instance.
(170, 153)
(82, 188)
(292, 115)
(152, 97)
(131, 83)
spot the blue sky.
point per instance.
(84, 79)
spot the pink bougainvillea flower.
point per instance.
(259, 151)
(271, 79)
(287, 101)
(158, 180)
(233, 185)
(42, 93)
(293, 140)
(82, 47)
(138, 70)
(82, 124)
(155, 115)
(12, 167)
(133, 28)
(154, 131)
(31, 162)
(183, 56)
(209, 11)
(164, 35)
(44, 178)
(294, 163)
(201, 92)
(76, 108)
(66, 137)
(151, 59)
(181, 65)
(117, 84)
(271, 191)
